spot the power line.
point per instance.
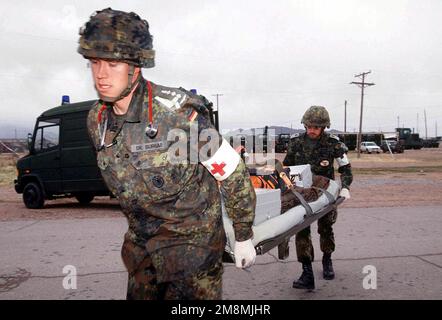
(362, 85)
(217, 95)
(417, 122)
(345, 116)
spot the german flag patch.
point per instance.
(193, 115)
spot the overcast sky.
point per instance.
(271, 60)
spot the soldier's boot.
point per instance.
(328, 272)
(307, 279)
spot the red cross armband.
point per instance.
(223, 163)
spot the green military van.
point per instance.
(61, 160)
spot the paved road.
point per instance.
(404, 245)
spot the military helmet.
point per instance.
(118, 35)
(316, 116)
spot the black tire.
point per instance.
(33, 196)
(84, 198)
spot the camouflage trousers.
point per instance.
(304, 246)
(143, 283)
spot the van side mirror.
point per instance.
(29, 140)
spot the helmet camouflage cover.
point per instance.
(316, 116)
(117, 35)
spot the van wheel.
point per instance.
(84, 198)
(33, 196)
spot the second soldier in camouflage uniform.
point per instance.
(319, 149)
(175, 240)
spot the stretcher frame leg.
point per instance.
(267, 245)
(281, 241)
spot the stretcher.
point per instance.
(272, 229)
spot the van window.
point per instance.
(47, 135)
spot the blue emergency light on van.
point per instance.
(65, 100)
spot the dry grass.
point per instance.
(412, 161)
(7, 175)
(7, 169)
(383, 171)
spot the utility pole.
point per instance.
(345, 117)
(217, 95)
(425, 116)
(417, 122)
(398, 122)
(361, 85)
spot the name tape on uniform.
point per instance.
(147, 146)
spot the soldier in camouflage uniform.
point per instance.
(174, 244)
(319, 149)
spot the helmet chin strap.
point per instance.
(125, 92)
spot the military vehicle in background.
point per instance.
(408, 139)
(392, 146)
(351, 139)
(282, 142)
(61, 159)
(431, 143)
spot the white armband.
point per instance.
(224, 162)
(342, 161)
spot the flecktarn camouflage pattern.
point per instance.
(316, 116)
(176, 235)
(117, 35)
(168, 182)
(321, 157)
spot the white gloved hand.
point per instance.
(245, 253)
(345, 193)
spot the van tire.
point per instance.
(33, 196)
(84, 197)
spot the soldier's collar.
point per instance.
(323, 138)
(136, 103)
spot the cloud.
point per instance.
(271, 60)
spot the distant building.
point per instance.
(13, 146)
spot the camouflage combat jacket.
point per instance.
(321, 157)
(173, 210)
